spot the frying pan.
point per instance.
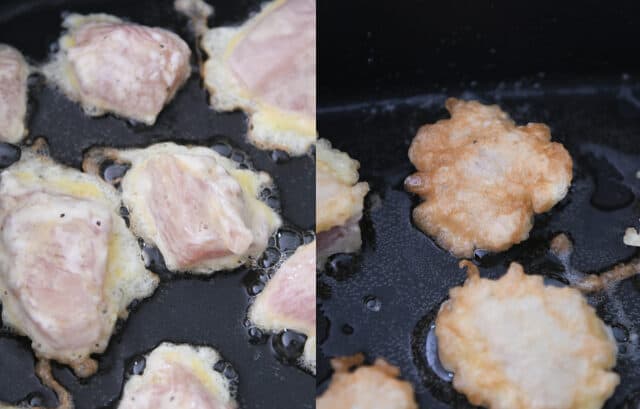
(385, 70)
(188, 309)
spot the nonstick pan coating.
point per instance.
(186, 309)
(410, 276)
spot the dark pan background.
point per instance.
(201, 311)
(385, 68)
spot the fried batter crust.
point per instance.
(339, 195)
(482, 178)
(515, 343)
(372, 387)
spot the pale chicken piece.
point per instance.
(482, 178)
(55, 258)
(266, 67)
(109, 65)
(199, 208)
(69, 267)
(514, 343)
(339, 201)
(368, 386)
(14, 72)
(179, 376)
(289, 300)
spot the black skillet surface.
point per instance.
(409, 276)
(186, 309)
(561, 64)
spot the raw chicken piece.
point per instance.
(482, 178)
(14, 72)
(267, 67)
(108, 65)
(289, 300)
(199, 208)
(69, 267)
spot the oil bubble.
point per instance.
(372, 303)
(237, 156)
(229, 372)
(137, 366)
(273, 202)
(32, 400)
(256, 336)
(279, 156)
(270, 258)
(433, 359)
(288, 239)
(308, 237)
(219, 366)
(152, 256)
(154, 260)
(347, 329)
(288, 346)
(485, 258)
(266, 192)
(124, 213)
(224, 149)
(620, 333)
(112, 172)
(340, 266)
(256, 288)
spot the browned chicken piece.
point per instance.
(373, 387)
(482, 178)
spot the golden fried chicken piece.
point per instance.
(339, 201)
(372, 387)
(483, 178)
(515, 343)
